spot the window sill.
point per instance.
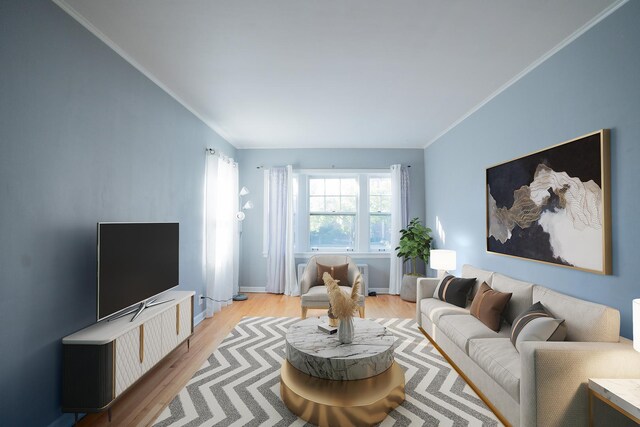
(354, 255)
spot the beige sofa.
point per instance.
(545, 384)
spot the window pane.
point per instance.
(316, 204)
(316, 187)
(385, 186)
(385, 203)
(332, 204)
(348, 204)
(332, 187)
(349, 187)
(332, 230)
(374, 204)
(380, 232)
(374, 185)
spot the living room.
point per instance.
(97, 126)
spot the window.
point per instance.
(332, 212)
(379, 213)
(342, 211)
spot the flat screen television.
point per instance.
(136, 262)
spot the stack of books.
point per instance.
(324, 327)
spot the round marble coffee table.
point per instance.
(330, 384)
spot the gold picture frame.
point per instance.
(554, 205)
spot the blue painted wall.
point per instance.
(253, 273)
(84, 137)
(592, 83)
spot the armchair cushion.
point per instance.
(318, 294)
(337, 272)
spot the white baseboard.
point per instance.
(253, 289)
(199, 318)
(380, 291)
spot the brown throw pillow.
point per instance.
(337, 272)
(488, 305)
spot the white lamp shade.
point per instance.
(244, 191)
(636, 324)
(442, 259)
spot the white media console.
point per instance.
(103, 360)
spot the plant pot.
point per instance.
(409, 286)
(345, 331)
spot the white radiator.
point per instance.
(364, 270)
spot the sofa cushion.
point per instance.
(460, 328)
(433, 308)
(586, 321)
(500, 360)
(488, 305)
(522, 294)
(454, 290)
(319, 294)
(480, 275)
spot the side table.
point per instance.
(623, 395)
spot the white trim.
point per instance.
(253, 289)
(106, 40)
(199, 318)
(580, 31)
(379, 291)
(354, 255)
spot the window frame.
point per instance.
(362, 245)
(371, 214)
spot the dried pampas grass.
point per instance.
(342, 304)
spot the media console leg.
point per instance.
(109, 413)
(188, 344)
(75, 418)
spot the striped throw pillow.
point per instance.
(454, 290)
(537, 324)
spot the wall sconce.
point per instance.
(240, 216)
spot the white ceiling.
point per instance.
(332, 73)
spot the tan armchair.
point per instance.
(315, 296)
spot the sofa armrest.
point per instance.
(425, 288)
(554, 378)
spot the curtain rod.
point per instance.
(221, 155)
(332, 168)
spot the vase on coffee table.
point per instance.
(345, 330)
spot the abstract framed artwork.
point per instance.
(554, 205)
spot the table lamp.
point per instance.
(442, 260)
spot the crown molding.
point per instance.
(116, 48)
(580, 31)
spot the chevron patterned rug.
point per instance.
(239, 385)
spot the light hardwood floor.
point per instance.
(140, 405)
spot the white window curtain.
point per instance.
(281, 274)
(399, 220)
(221, 231)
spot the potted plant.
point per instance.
(415, 243)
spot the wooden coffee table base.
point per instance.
(341, 403)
